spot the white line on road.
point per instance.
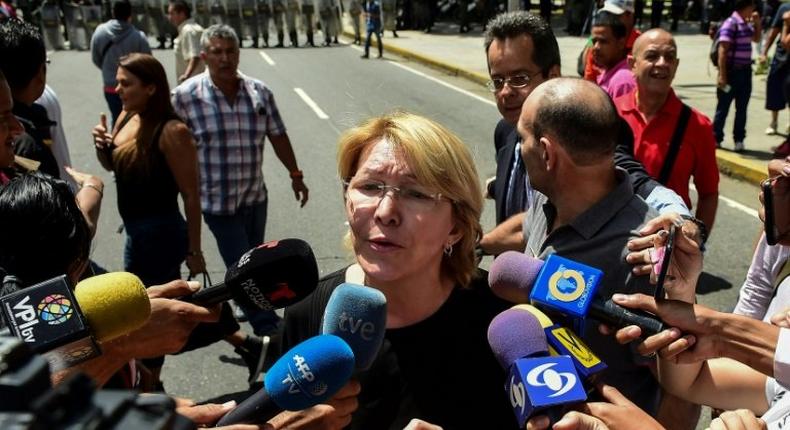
(733, 204)
(311, 103)
(443, 83)
(267, 58)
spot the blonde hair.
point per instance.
(440, 161)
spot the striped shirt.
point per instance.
(739, 34)
(229, 139)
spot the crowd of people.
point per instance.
(595, 169)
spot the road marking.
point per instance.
(437, 80)
(733, 204)
(267, 58)
(445, 84)
(311, 103)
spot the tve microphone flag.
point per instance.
(358, 315)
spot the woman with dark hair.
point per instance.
(154, 159)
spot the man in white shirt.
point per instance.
(187, 44)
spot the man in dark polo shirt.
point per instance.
(585, 208)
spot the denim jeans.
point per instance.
(235, 235)
(155, 248)
(115, 104)
(740, 81)
(371, 32)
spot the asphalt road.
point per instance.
(321, 92)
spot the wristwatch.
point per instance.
(297, 174)
(703, 230)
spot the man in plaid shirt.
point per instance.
(230, 115)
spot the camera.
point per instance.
(30, 402)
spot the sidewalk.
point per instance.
(463, 55)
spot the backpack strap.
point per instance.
(674, 144)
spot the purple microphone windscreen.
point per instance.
(512, 275)
(516, 333)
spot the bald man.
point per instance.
(673, 141)
(585, 208)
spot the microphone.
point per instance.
(358, 315)
(270, 276)
(565, 286)
(536, 381)
(308, 374)
(64, 325)
(563, 341)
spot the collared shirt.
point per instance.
(591, 71)
(187, 46)
(229, 139)
(739, 33)
(697, 155)
(618, 80)
(598, 238)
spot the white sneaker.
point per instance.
(739, 147)
(771, 130)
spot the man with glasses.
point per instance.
(231, 115)
(512, 41)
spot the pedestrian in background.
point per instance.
(372, 11)
(111, 41)
(735, 69)
(187, 45)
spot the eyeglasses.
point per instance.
(368, 192)
(517, 81)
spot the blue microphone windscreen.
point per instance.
(358, 315)
(310, 373)
(513, 274)
(516, 333)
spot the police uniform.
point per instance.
(354, 11)
(326, 9)
(233, 18)
(292, 11)
(249, 19)
(140, 17)
(158, 24)
(200, 12)
(308, 14)
(75, 26)
(217, 11)
(264, 16)
(50, 24)
(278, 11)
(92, 14)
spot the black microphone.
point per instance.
(565, 286)
(270, 276)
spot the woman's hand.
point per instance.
(741, 419)
(102, 139)
(781, 319)
(85, 179)
(616, 413)
(196, 263)
(686, 262)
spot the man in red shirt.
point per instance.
(653, 112)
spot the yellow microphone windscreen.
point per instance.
(544, 320)
(113, 303)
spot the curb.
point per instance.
(735, 166)
(428, 61)
(729, 163)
